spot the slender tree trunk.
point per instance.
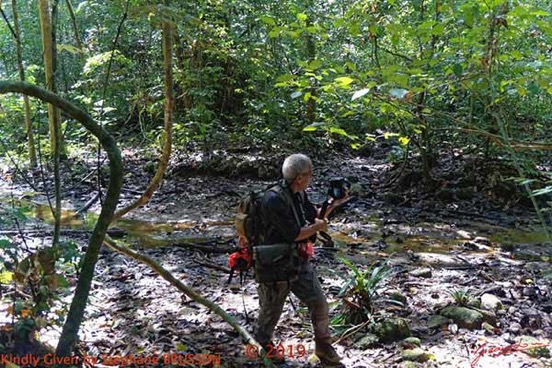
(76, 312)
(54, 124)
(311, 54)
(47, 48)
(28, 123)
(169, 100)
(74, 24)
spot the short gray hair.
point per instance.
(296, 165)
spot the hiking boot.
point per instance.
(327, 355)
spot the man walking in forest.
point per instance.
(290, 218)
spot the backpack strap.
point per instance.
(286, 195)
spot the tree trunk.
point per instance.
(169, 99)
(74, 24)
(47, 50)
(28, 123)
(311, 54)
(53, 113)
(76, 312)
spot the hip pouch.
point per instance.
(276, 262)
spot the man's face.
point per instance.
(305, 179)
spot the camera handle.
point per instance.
(325, 238)
(323, 209)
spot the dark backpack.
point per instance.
(250, 227)
(249, 221)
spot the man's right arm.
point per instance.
(308, 231)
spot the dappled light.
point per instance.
(148, 218)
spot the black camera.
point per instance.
(338, 187)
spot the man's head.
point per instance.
(297, 170)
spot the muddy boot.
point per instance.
(327, 355)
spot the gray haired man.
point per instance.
(295, 225)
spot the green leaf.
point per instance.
(521, 181)
(339, 131)
(438, 29)
(180, 347)
(344, 81)
(354, 28)
(315, 64)
(370, 137)
(4, 243)
(457, 69)
(387, 135)
(62, 281)
(359, 94)
(275, 32)
(69, 48)
(268, 20)
(404, 141)
(397, 78)
(302, 17)
(294, 34)
(285, 78)
(5, 277)
(312, 127)
(338, 22)
(542, 191)
(516, 55)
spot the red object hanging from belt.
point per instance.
(306, 250)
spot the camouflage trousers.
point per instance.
(272, 297)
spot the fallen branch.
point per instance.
(151, 263)
(203, 248)
(47, 232)
(88, 204)
(353, 330)
(211, 265)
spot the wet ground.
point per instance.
(464, 244)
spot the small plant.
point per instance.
(35, 277)
(461, 297)
(359, 292)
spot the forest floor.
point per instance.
(467, 231)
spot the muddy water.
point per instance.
(148, 234)
(368, 237)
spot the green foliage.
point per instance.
(359, 292)
(265, 74)
(40, 273)
(462, 297)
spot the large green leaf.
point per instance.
(344, 81)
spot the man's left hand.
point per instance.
(334, 203)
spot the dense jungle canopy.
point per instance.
(427, 105)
